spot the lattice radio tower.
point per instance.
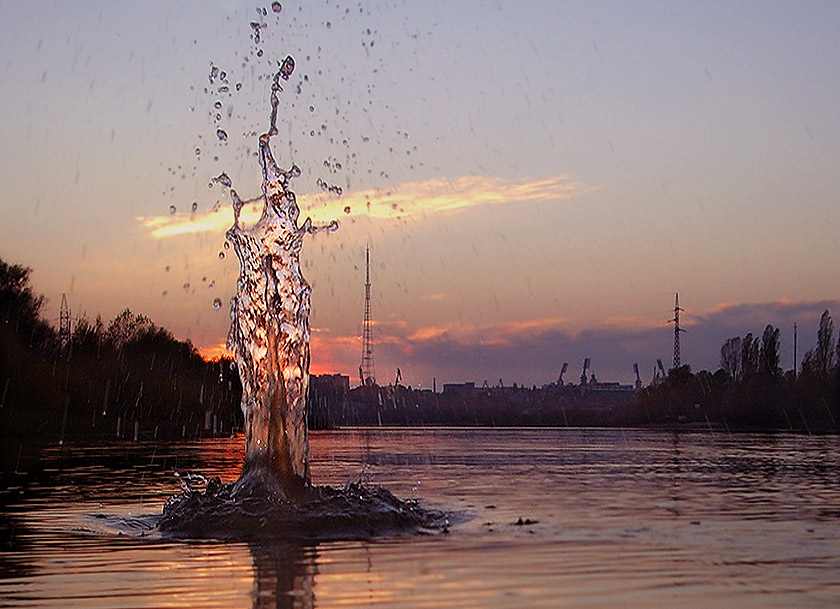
(367, 375)
(677, 330)
(64, 331)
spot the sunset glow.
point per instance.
(534, 189)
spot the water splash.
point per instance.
(269, 331)
(269, 335)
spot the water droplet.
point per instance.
(276, 7)
(221, 255)
(222, 135)
(329, 25)
(217, 303)
(172, 209)
(346, 209)
(197, 151)
(164, 293)
(227, 245)
(233, 365)
(212, 284)
(195, 205)
(287, 67)
(238, 86)
(223, 179)
(217, 105)
(338, 166)
(312, 108)
(166, 268)
(187, 287)
(260, 53)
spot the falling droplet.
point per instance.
(217, 303)
(329, 25)
(346, 209)
(287, 67)
(172, 209)
(195, 205)
(221, 255)
(276, 7)
(212, 284)
(198, 151)
(222, 135)
(218, 105)
(227, 245)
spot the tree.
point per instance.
(769, 357)
(730, 357)
(127, 327)
(750, 348)
(825, 345)
(20, 308)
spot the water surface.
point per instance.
(545, 518)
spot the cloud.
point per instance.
(404, 201)
(532, 351)
(214, 352)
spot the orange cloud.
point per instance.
(214, 352)
(493, 334)
(404, 201)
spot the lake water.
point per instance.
(541, 518)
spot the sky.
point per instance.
(535, 180)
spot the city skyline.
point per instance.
(535, 182)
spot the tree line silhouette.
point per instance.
(128, 378)
(750, 390)
(131, 379)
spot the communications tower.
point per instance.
(367, 375)
(64, 331)
(677, 330)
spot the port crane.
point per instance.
(562, 372)
(586, 363)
